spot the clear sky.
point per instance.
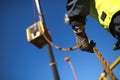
(20, 60)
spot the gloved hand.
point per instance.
(82, 40)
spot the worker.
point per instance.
(106, 12)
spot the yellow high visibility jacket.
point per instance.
(103, 10)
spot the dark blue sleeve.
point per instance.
(77, 10)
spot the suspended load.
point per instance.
(35, 34)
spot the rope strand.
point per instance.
(105, 64)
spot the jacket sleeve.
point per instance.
(77, 10)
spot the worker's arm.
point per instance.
(77, 10)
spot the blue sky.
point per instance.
(20, 60)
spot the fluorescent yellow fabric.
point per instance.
(110, 7)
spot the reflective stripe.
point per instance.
(105, 10)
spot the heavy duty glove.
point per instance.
(82, 40)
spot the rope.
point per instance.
(105, 64)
